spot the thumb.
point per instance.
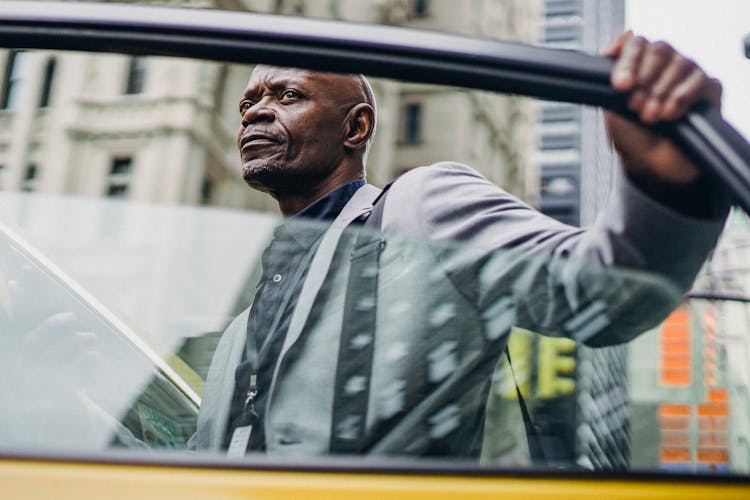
(616, 47)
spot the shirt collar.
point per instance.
(329, 206)
(307, 225)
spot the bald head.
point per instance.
(368, 97)
(361, 92)
(365, 88)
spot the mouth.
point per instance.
(257, 140)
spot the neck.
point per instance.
(291, 203)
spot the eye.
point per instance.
(289, 94)
(245, 105)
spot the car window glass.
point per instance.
(71, 380)
(131, 243)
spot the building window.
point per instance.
(674, 427)
(118, 180)
(220, 89)
(117, 191)
(30, 173)
(135, 82)
(563, 33)
(559, 8)
(419, 8)
(559, 186)
(562, 113)
(15, 72)
(411, 121)
(207, 190)
(563, 213)
(557, 141)
(676, 350)
(293, 7)
(560, 192)
(49, 76)
(30, 177)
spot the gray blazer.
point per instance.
(444, 311)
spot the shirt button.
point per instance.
(276, 278)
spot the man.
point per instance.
(395, 355)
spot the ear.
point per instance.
(360, 125)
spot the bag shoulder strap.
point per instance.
(375, 218)
(532, 435)
(354, 366)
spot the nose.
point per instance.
(258, 112)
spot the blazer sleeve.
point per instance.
(631, 266)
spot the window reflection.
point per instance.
(178, 273)
(47, 82)
(136, 76)
(16, 71)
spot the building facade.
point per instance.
(423, 124)
(576, 162)
(690, 402)
(163, 130)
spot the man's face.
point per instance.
(292, 128)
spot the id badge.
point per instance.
(239, 442)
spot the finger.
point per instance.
(656, 57)
(713, 92)
(658, 94)
(637, 100)
(677, 69)
(614, 49)
(625, 69)
(685, 95)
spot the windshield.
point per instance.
(152, 300)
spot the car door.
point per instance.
(188, 242)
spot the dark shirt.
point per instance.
(285, 264)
